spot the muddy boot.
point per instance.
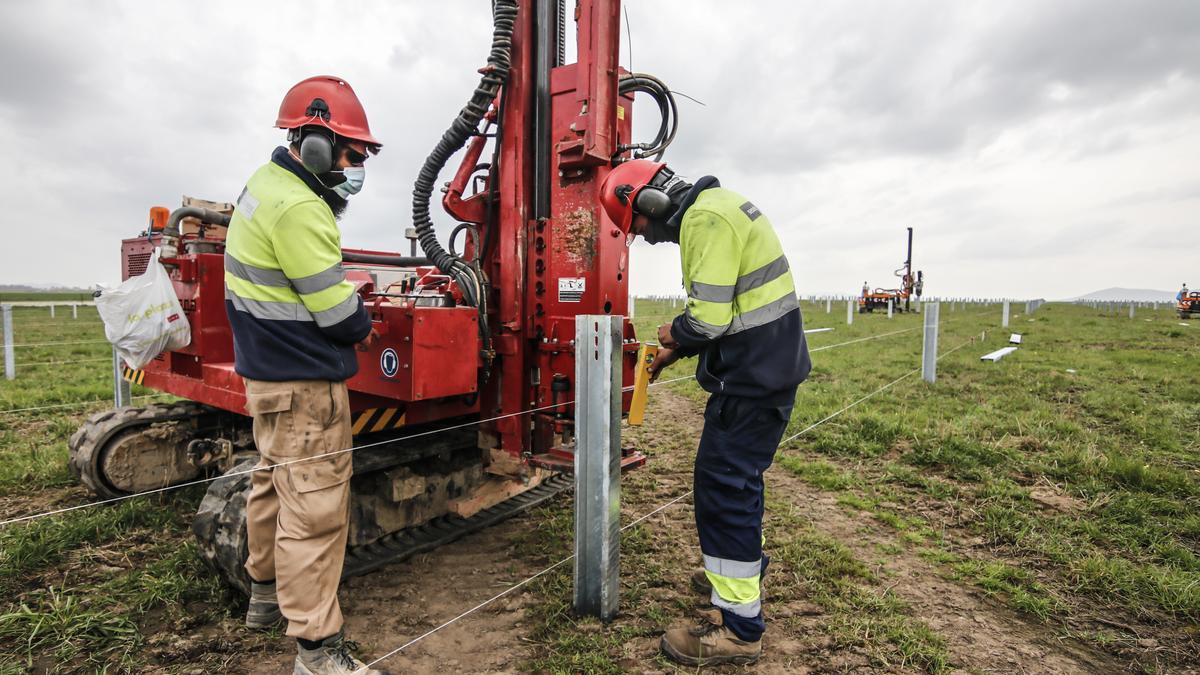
(332, 657)
(710, 643)
(264, 607)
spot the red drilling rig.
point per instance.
(472, 341)
(899, 298)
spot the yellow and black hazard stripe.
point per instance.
(130, 375)
(376, 419)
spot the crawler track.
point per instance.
(91, 442)
(220, 528)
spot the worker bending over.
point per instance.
(743, 321)
(295, 321)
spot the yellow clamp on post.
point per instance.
(641, 383)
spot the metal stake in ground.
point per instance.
(929, 355)
(1004, 320)
(121, 394)
(849, 312)
(597, 464)
(10, 367)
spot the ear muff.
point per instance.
(316, 152)
(653, 203)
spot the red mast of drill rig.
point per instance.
(544, 251)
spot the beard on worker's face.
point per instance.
(336, 203)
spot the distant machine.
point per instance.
(1187, 303)
(869, 300)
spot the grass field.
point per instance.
(1059, 488)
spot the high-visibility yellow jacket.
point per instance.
(742, 316)
(293, 313)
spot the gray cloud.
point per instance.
(1064, 133)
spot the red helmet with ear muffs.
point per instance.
(326, 101)
(624, 192)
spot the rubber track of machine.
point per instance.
(85, 445)
(220, 528)
(220, 525)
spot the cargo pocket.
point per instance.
(319, 474)
(272, 421)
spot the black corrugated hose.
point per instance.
(504, 14)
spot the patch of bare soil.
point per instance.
(21, 504)
(1149, 641)
(981, 634)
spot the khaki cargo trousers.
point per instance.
(297, 515)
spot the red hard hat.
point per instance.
(622, 185)
(328, 101)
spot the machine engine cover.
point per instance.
(424, 353)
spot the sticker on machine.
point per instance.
(570, 289)
(389, 362)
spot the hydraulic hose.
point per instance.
(667, 112)
(383, 259)
(504, 14)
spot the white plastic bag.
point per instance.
(142, 317)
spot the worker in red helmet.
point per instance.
(742, 320)
(296, 321)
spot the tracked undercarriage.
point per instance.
(126, 450)
(410, 493)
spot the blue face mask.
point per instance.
(355, 175)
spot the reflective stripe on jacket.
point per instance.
(293, 313)
(742, 316)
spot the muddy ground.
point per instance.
(389, 607)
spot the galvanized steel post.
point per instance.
(1004, 320)
(74, 311)
(828, 305)
(121, 393)
(849, 312)
(597, 464)
(10, 367)
(1131, 310)
(51, 310)
(889, 308)
(929, 355)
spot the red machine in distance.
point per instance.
(487, 334)
(898, 298)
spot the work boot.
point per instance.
(263, 611)
(710, 643)
(332, 658)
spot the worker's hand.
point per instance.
(665, 338)
(369, 341)
(665, 357)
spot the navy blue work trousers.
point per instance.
(737, 445)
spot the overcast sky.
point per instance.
(1039, 149)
